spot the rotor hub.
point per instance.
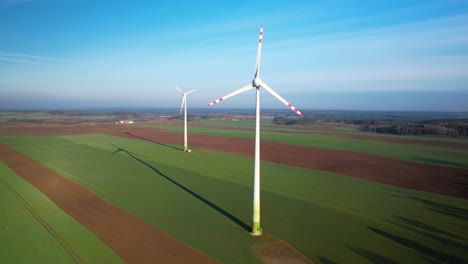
(256, 82)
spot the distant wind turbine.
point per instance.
(257, 83)
(183, 106)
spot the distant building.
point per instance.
(124, 122)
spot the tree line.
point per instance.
(432, 127)
(287, 121)
(441, 127)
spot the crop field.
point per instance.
(204, 198)
(6, 116)
(35, 230)
(414, 153)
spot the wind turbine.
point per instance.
(184, 107)
(257, 83)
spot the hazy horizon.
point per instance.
(433, 101)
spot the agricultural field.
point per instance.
(336, 194)
(35, 230)
(336, 139)
(6, 116)
(54, 116)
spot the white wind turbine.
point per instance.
(184, 107)
(257, 83)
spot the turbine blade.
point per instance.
(182, 105)
(194, 90)
(266, 87)
(241, 90)
(259, 52)
(173, 84)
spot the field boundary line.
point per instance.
(69, 249)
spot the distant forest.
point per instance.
(451, 127)
(397, 126)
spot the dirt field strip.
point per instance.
(131, 238)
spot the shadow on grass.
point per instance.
(430, 252)
(442, 162)
(443, 208)
(210, 204)
(145, 139)
(424, 226)
(430, 235)
(373, 257)
(325, 261)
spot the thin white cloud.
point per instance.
(31, 59)
(32, 56)
(20, 61)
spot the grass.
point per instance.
(204, 199)
(444, 156)
(35, 230)
(352, 129)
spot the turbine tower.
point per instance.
(257, 83)
(183, 106)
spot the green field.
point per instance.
(441, 156)
(5, 116)
(35, 230)
(204, 199)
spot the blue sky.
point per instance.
(363, 55)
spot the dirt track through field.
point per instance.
(134, 240)
(424, 177)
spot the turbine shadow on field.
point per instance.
(444, 209)
(429, 252)
(372, 257)
(450, 242)
(199, 197)
(145, 139)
